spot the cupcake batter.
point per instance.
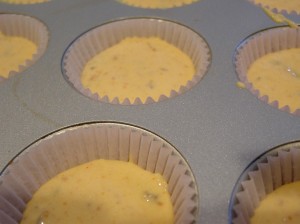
(277, 75)
(288, 5)
(102, 191)
(279, 18)
(138, 67)
(14, 51)
(157, 3)
(280, 206)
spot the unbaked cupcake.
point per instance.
(131, 46)
(23, 40)
(267, 63)
(79, 144)
(272, 173)
(157, 4)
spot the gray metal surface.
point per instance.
(218, 127)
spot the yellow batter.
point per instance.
(138, 67)
(102, 191)
(277, 75)
(288, 5)
(280, 206)
(14, 51)
(157, 3)
(279, 18)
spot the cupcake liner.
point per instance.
(259, 44)
(92, 42)
(277, 167)
(24, 2)
(277, 7)
(29, 28)
(82, 143)
(152, 4)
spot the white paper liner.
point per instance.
(29, 28)
(24, 2)
(104, 36)
(276, 9)
(86, 142)
(273, 169)
(157, 4)
(260, 44)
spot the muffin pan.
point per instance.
(216, 126)
(24, 2)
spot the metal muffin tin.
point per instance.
(216, 126)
